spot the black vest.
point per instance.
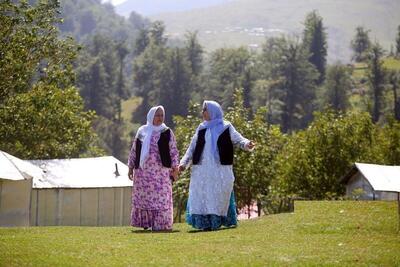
(163, 147)
(224, 144)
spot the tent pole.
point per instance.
(398, 208)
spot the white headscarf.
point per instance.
(145, 131)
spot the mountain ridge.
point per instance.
(160, 6)
(249, 22)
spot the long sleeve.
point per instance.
(132, 155)
(238, 139)
(173, 151)
(187, 158)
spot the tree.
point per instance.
(100, 77)
(394, 80)
(314, 159)
(376, 77)
(46, 123)
(141, 42)
(398, 42)
(314, 40)
(337, 88)
(148, 71)
(360, 44)
(194, 52)
(389, 142)
(164, 75)
(297, 82)
(156, 33)
(87, 22)
(41, 113)
(176, 84)
(227, 72)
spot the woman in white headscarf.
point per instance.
(211, 202)
(153, 159)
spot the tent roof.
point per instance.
(380, 177)
(12, 168)
(82, 173)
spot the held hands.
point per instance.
(176, 171)
(181, 168)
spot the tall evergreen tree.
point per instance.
(141, 42)
(176, 84)
(194, 52)
(227, 72)
(360, 44)
(337, 88)
(314, 40)
(297, 82)
(147, 77)
(267, 90)
(100, 77)
(156, 33)
(398, 42)
(376, 78)
(394, 80)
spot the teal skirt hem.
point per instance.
(212, 221)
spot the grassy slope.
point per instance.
(328, 233)
(360, 72)
(340, 17)
(128, 107)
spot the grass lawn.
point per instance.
(392, 63)
(337, 233)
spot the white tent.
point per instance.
(82, 191)
(15, 189)
(374, 182)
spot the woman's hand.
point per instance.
(175, 173)
(250, 145)
(130, 174)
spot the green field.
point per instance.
(392, 63)
(338, 233)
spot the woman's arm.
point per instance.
(187, 158)
(239, 140)
(131, 159)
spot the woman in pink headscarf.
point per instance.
(153, 159)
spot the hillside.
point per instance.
(339, 233)
(248, 22)
(82, 19)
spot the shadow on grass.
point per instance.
(141, 231)
(195, 231)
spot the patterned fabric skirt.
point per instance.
(155, 219)
(212, 221)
